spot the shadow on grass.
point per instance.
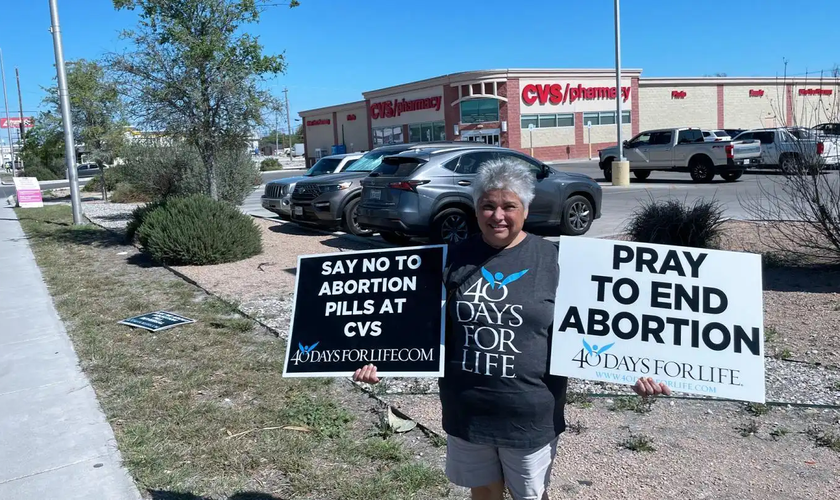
(245, 495)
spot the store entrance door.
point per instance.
(487, 136)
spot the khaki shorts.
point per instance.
(526, 472)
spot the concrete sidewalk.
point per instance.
(54, 439)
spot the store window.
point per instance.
(479, 110)
(547, 121)
(387, 135)
(605, 118)
(427, 132)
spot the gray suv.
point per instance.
(429, 194)
(330, 201)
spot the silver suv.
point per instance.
(278, 193)
(429, 194)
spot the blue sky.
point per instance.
(336, 49)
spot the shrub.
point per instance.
(114, 176)
(270, 164)
(41, 173)
(160, 171)
(138, 216)
(127, 193)
(671, 222)
(195, 230)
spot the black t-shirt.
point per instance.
(496, 389)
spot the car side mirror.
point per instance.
(627, 144)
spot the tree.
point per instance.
(194, 74)
(44, 146)
(95, 107)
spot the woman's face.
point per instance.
(501, 216)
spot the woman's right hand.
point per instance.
(366, 374)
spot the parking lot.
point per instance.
(620, 202)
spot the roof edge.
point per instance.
(331, 109)
(733, 80)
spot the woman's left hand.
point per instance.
(647, 387)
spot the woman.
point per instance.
(502, 411)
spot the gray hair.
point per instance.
(504, 174)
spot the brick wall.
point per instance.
(720, 103)
(658, 109)
(545, 137)
(451, 114)
(367, 118)
(634, 109)
(335, 128)
(742, 111)
(510, 111)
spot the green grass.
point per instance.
(770, 334)
(579, 399)
(779, 433)
(203, 408)
(757, 409)
(638, 443)
(751, 428)
(823, 438)
(836, 385)
(633, 403)
(783, 354)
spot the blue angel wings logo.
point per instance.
(304, 349)
(594, 348)
(500, 278)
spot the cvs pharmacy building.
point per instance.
(558, 114)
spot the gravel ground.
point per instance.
(700, 452)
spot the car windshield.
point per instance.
(324, 166)
(801, 133)
(367, 162)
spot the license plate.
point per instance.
(298, 210)
(747, 161)
(375, 194)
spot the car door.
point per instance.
(686, 139)
(770, 148)
(636, 150)
(546, 205)
(468, 165)
(660, 150)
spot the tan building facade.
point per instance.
(559, 114)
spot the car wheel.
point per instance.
(702, 171)
(577, 216)
(732, 176)
(351, 224)
(788, 164)
(398, 239)
(641, 174)
(608, 171)
(452, 225)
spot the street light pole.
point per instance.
(22, 125)
(64, 100)
(8, 121)
(621, 168)
(288, 122)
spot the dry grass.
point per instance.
(201, 409)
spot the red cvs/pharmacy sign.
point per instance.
(555, 93)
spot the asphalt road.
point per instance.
(620, 202)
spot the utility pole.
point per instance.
(276, 132)
(8, 121)
(288, 122)
(621, 168)
(22, 125)
(64, 100)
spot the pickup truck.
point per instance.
(792, 148)
(683, 150)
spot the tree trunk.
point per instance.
(208, 157)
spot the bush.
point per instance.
(270, 164)
(41, 173)
(671, 222)
(138, 216)
(160, 171)
(195, 230)
(114, 176)
(127, 193)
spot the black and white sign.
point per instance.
(692, 318)
(380, 306)
(156, 321)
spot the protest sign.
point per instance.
(378, 306)
(156, 321)
(28, 192)
(689, 317)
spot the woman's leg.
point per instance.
(493, 491)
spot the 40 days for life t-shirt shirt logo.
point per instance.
(488, 322)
